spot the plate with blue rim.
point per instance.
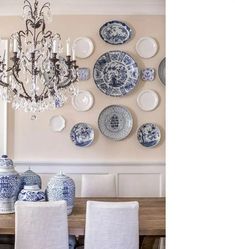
(82, 134)
(149, 135)
(115, 32)
(115, 122)
(116, 73)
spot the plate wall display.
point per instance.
(115, 32)
(83, 73)
(83, 101)
(115, 122)
(148, 100)
(116, 73)
(148, 74)
(83, 47)
(162, 71)
(82, 134)
(146, 47)
(149, 135)
(57, 123)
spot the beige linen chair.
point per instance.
(41, 225)
(112, 225)
(98, 186)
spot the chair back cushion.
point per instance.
(112, 225)
(41, 225)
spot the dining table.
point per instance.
(151, 216)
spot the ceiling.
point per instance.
(90, 7)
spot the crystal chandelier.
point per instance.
(38, 77)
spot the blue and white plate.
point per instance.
(115, 32)
(149, 135)
(116, 73)
(162, 71)
(82, 134)
(115, 122)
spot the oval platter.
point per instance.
(82, 134)
(116, 73)
(115, 122)
(115, 32)
(149, 135)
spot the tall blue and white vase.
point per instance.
(61, 187)
(29, 178)
(9, 185)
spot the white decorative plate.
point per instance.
(147, 100)
(83, 47)
(83, 101)
(57, 123)
(146, 47)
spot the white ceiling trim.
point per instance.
(91, 7)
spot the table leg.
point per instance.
(149, 241)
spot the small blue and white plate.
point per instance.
(115, 32)
(148, 74)
(82, 134)
(149, 135)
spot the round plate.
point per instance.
(116, 73)
(146, 47)
(162, 71)
(57, 123)
(147, 100)
(149, 135)
(115, 32)
(83, 101)
(83, 47)
(82, 134)
(115, 122)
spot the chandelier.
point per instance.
(39, 78)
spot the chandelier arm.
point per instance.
(46, 5)
(28, 5)
(47, 34)
(20, 83)
(4, 84)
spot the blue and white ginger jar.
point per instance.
(31, 193)
(9, 185)
(30, 178)
(61, 187)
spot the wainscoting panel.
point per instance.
(139, 184)
(132, 179)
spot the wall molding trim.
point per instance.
(92, 7)
(79, 163)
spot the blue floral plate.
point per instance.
(82, 134)
(115, 32)
(116, 73)
(149, 135)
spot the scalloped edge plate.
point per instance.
(57, 123)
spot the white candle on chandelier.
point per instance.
(54, 46)
(15, 45)
(68, 49)
(73, 54)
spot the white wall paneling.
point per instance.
(132, 179)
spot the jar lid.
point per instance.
(6, 162)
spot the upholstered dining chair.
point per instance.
(41, 225)
(98, 186)
(112, 225)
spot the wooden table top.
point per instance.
(151, 216)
